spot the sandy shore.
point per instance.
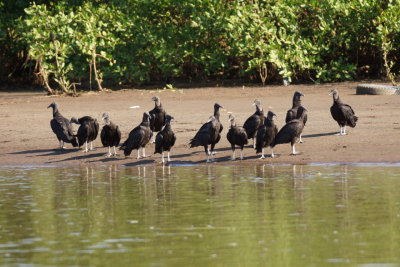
(26, 137)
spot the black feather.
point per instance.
(209, 133)
(110, 134)
(166, 138)
(253, 122)
(138, 137)
(290, 132)
(236, 135)
(88, 129)
(297, 109)
(62, 127)
(342, 113)
(157, 116)
(266, 133)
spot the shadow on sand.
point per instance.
(318, 135)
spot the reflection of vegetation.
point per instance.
(64, 43)
(203, 215)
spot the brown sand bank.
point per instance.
(26, 137)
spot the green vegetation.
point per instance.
(64, 43)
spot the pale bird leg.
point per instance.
(262, 154)
(115, 152)
(144, 153)
(340, 133)
(233, 155)
(86, 148)
(241, 154)
(109, 152)
(293, 150)
(208, 157)
(272, 153)
(168, 158)
(138, 153)
(162, 157)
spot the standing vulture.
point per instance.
(87, 132)
(236, 136)
(110, 135)
(138, 138)
(62, 127)
(290, 132)
(296, 110)
(157, 116)
(209, 134)
(342, 113)
(165, 139)
(266, 135)
(254, 121)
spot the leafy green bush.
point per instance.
(49, 37)
(140, 41)
(388, 37)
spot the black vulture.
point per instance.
(266, 134)
(165, 139)
(342, 113)
(157, 116)
(290, 132)
(254, 121)
(208, 134)
(110, 134)
(296, 110)
(138, 138)
(236, 136)
(62, 127)
(87, 132)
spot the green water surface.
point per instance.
(200, 216)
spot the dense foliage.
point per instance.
(64, 43)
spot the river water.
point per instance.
(281, 215)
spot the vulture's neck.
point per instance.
(55, 111)
(296, 102)
(216, 113)
(336, 99)
(259, 110)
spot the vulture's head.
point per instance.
(217, 106)
(74, 120)
(53, 105)
(257, 103)
(270, 115)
